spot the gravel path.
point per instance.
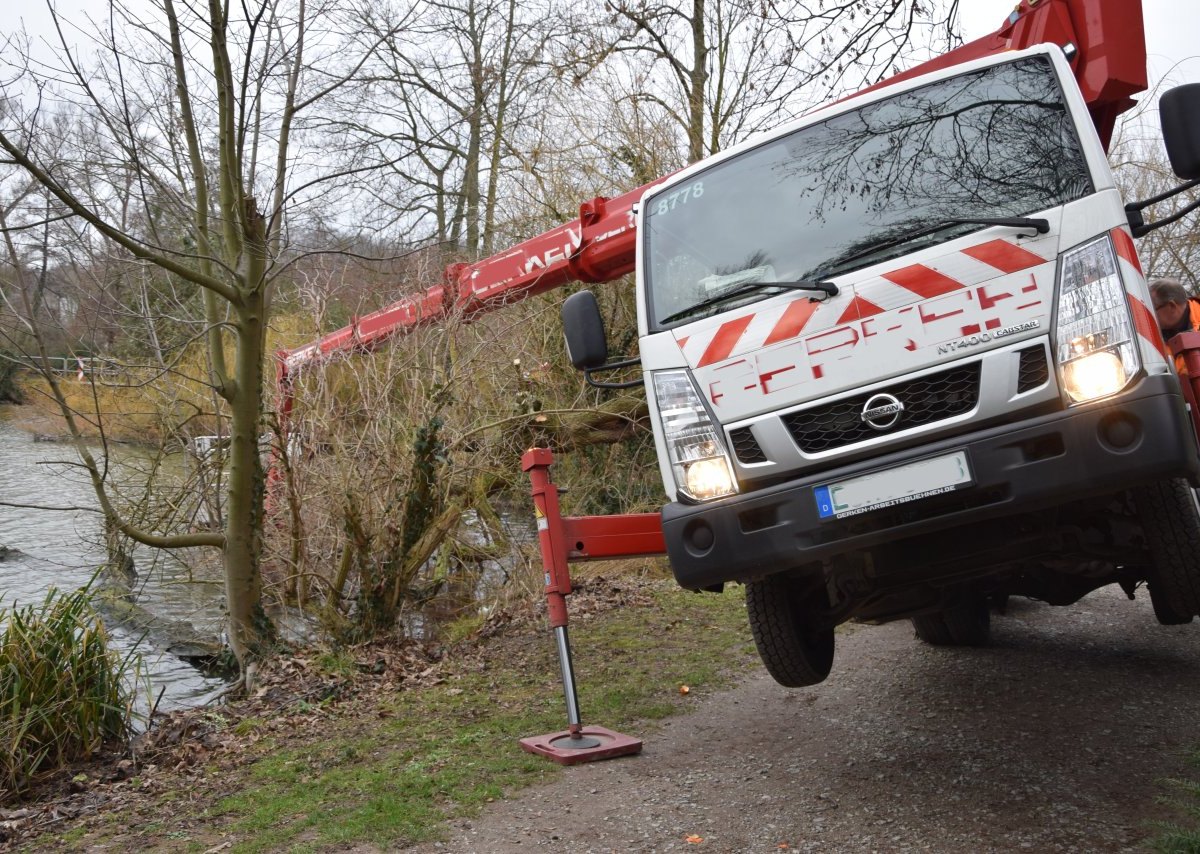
(1053, 739)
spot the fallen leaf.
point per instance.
(693, 839)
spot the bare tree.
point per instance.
(721, 69)
(204, 142)
(1142, 171)
(453, 96)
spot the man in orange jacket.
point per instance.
(1175, 310)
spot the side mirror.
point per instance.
(583, 327)
(1179, 111)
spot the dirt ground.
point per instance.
(1056, 738)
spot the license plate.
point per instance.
(893, 486)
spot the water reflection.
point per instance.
(63, 549)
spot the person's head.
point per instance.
(1170, 302)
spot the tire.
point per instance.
(968, 624)
(1170, 519)
(794, 648)
(1164, 611)
(932, 629)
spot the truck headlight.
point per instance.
(698, 457)
(1096, 350)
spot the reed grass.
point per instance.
(64, 691)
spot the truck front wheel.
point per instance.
(1171, 521)
(792, 641)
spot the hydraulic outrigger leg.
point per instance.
(583, 538)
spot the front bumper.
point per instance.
(1052, 460)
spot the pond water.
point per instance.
(63, 549)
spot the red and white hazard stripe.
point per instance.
(888, 291)
(1144, 320)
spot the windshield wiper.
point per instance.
(1040, 226)
(829, 289)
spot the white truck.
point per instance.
(902, 362)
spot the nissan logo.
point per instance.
(882, 411)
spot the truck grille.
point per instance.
(928, 399)
(1034, 372)
(745, 446)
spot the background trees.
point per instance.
(452, 92)
(1142, 171)
(185, 140)
(718, 70)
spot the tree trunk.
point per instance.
(696, 84)
(250, 630)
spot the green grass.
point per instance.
(247, 725)
(1183, 835)
(75, 834)
(63, 691)
(336, 663)
(427, 755)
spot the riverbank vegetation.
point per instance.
(378, 744)
(64, 692)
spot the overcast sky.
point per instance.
(1172, 30)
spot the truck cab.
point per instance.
(902, 362)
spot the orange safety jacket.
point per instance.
(1193, 306)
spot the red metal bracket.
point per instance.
(1186, 346)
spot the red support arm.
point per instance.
(536, 462)
(607, 537)
(579, 538)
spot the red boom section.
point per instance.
(596, 247)
(1109, 62)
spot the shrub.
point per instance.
(9, 391)
(64, 691)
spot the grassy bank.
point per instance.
(131, 414)
(376, 746)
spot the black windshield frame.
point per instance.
(1000, 141)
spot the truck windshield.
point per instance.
(844, 193)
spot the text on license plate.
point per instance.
(893, 486)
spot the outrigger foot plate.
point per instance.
(590, 744)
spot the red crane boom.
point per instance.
(1109, 60)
